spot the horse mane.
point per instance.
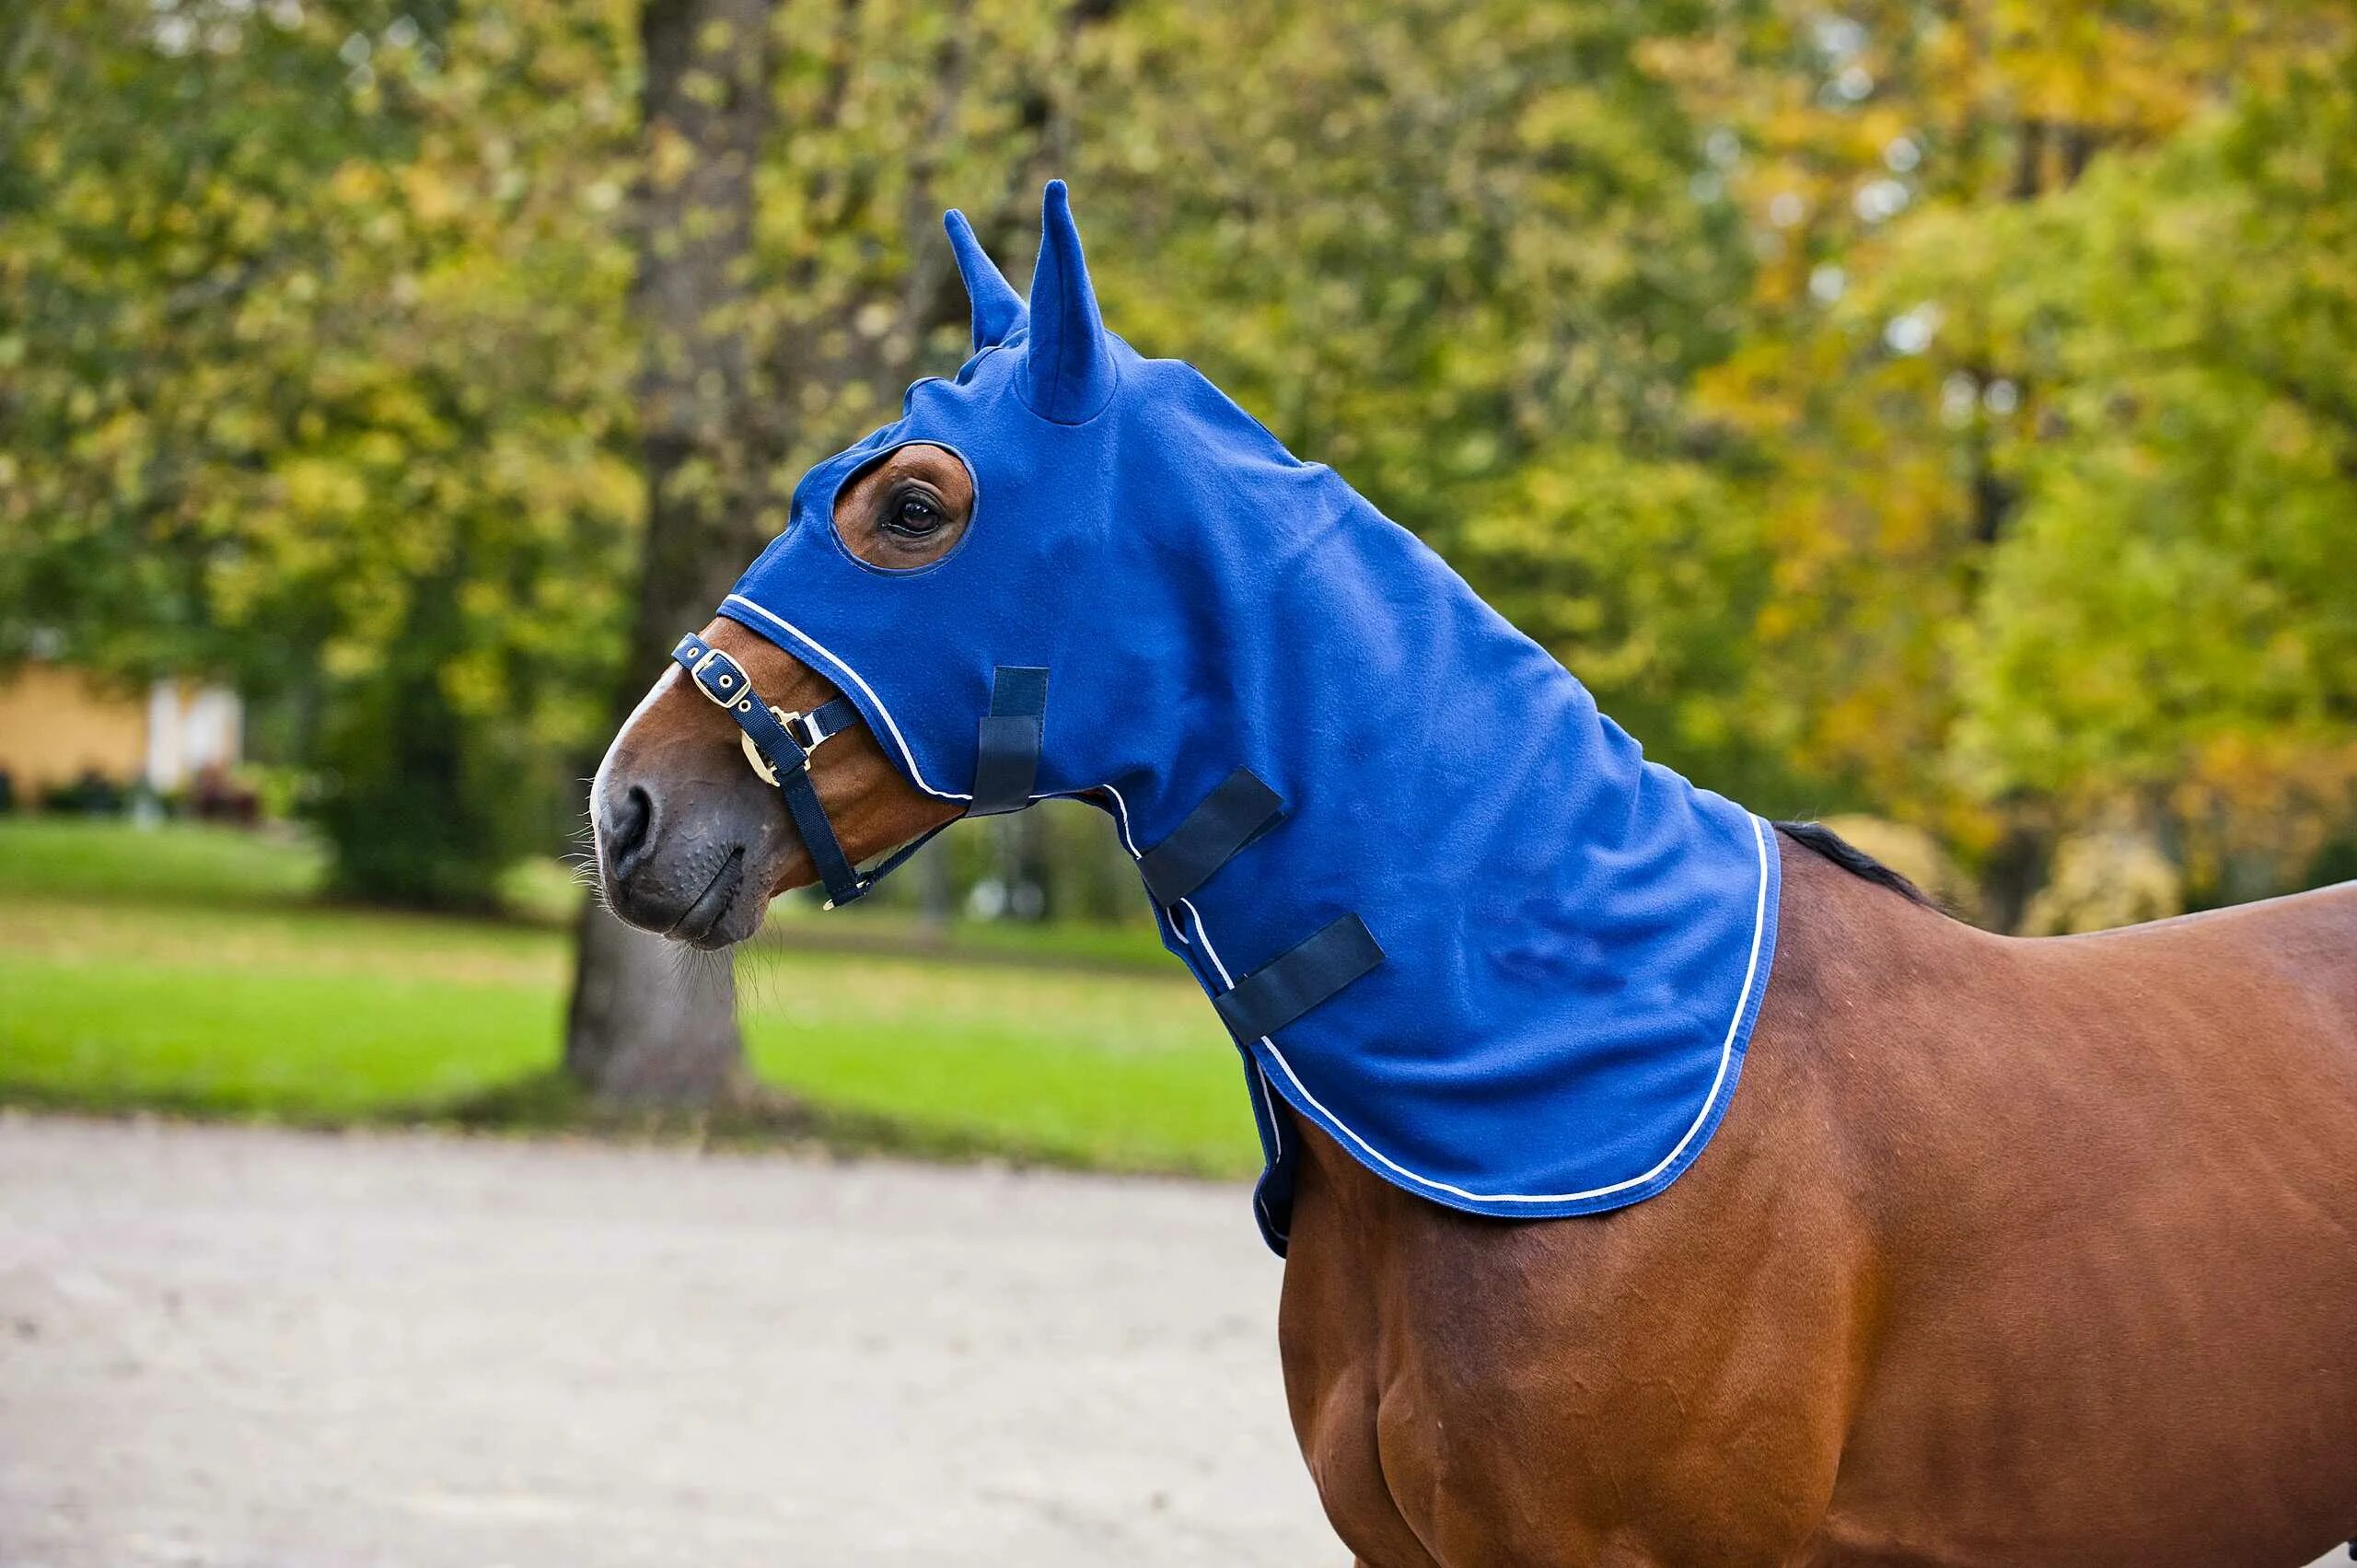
(1850, 858)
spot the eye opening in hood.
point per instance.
(867, 465)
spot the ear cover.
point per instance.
(998, 310)
(1068, 375)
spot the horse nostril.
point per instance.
(626, 824)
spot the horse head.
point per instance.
(691, 838)
(1389, 834)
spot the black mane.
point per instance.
(1851, 859)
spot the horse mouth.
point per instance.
(712, 907)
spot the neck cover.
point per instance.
(1564, 945)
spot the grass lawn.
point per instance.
(192, 970)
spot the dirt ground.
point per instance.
(224, 1346)
(232, 1346)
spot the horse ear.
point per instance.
(1068, 370)
(998, 310)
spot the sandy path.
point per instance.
(235, 1347)
(225, 1346)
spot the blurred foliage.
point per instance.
(2108, 877)
(2172, 622)
(2054, 479)
(310, 341)
(1946, 411)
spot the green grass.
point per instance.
(184, 969)
(1137, 946)
(70, 857)
(119, 1033)
(1109, 1071)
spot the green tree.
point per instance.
(638, 1029)
(1896, 386)
(2169, 631)
(310, 375)
(792, 278)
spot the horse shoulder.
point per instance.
(1668, 1382)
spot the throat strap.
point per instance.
(1306, 975)
(1232, 815)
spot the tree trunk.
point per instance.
(935, 889)
(650, 1023)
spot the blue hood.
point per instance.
(1575, 941)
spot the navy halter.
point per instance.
(779, 745)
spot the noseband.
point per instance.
(779, 745)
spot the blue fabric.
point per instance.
(1574, 940)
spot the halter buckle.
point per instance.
(724, 689)
(803, 730)
(729, 687)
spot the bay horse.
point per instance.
(2007, 1251)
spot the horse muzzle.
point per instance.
(691, 859)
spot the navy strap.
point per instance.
(1006, 759)
(1232, 815)
(826, 721)
(843, 881)
(714, 671)
(1291, 985)
(721, 679)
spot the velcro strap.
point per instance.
(1229, 818)
(1006, 760)
(1284, 988)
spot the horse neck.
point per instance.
(1320, 645)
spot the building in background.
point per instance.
(61, 727)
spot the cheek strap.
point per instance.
(1006, 751)
(779, 744)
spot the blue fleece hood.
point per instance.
(1572, 941)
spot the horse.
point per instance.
(2004, 1251)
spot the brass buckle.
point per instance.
(712, 656)
(800, 727)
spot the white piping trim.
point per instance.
(1121, 815)
(1727, 1058)
(1710, 1101)
(1276, 1123)
(828, 654)
(1121, 822)
(1195, 915)
(1261, 1077)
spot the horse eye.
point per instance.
(912, 515)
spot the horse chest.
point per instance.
(1471, 1392)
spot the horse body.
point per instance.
(2005, 1252)
(2008, 1252)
